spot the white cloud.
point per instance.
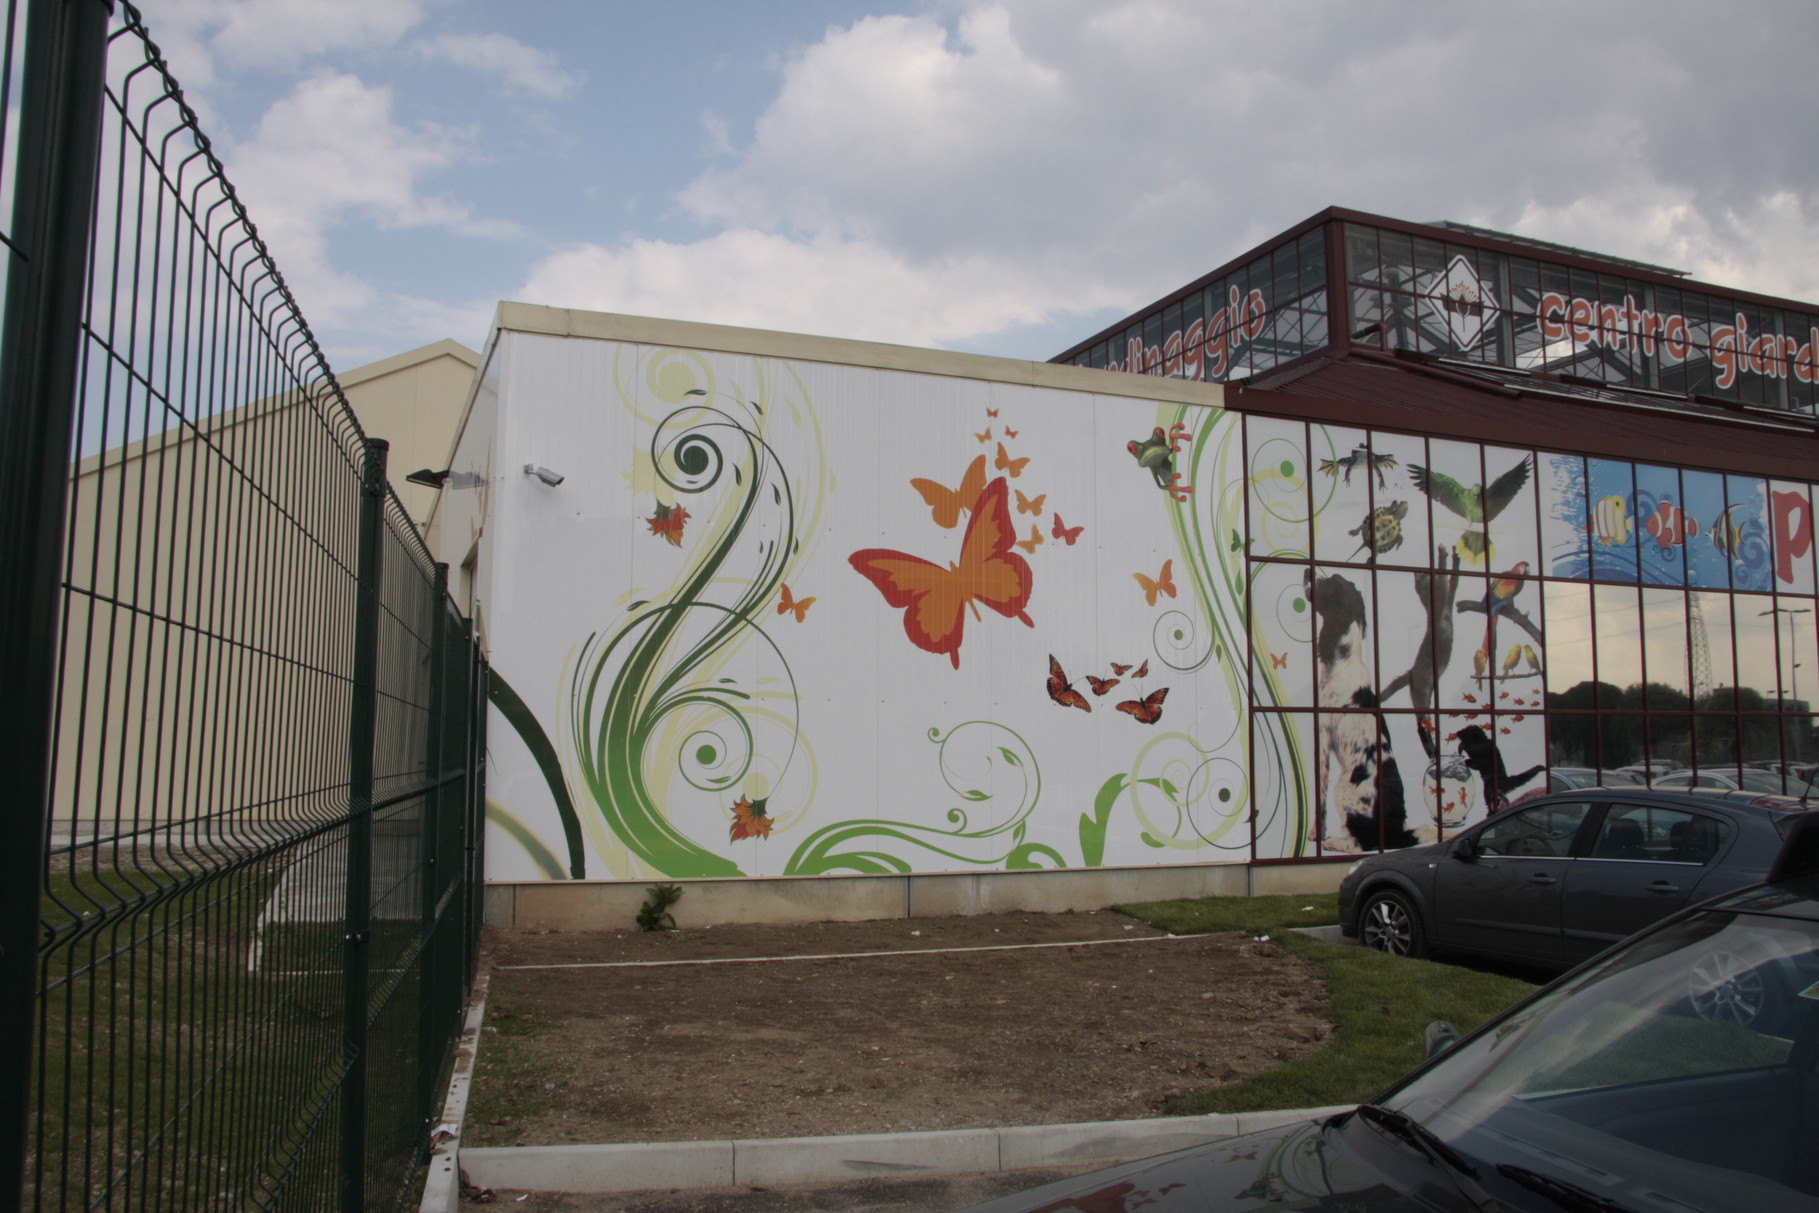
(824, 284)
(520, 68)
(330, 153)
(1135, 145)
(201, 37)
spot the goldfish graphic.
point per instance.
(1611, 520)
(1669, 525)
(1725, 532)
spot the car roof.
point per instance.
(1752, 803)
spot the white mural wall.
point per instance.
(795, 617)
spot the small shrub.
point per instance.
(654, 914)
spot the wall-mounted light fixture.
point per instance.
(544, 474)
(427, 478)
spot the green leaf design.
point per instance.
(1093, 825)
(524, 722)
(637, 604)
(1150, 840)
(1010, 757)
(976, 794)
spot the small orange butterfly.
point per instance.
(1147, 710)
(1010, 433)
(1102, 685)
(935, 600)
(1119, 669)
(947, 503)
(1004, 463)
(1061, 690)
(1143, 671)
(1033, 542)
(1030, 505)
(991, 412)
(1068, 533)
(1279, 661)
(789, 603)
(985, 437)
(1164, 583)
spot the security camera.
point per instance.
(544, 474)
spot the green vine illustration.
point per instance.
(831, 848)
(659, 666)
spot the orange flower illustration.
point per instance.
(749, 820)
(667, 523)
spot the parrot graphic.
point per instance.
(1477, 505)
(1503, 589)
(1157, 455)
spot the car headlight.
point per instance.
(1353, 870)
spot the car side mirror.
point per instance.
(1439, 1037)
(1466, 849)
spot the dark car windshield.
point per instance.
(1678, 1074)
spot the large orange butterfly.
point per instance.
(1004, 463)
(1069, 533)
(1147, 710)
(934, 600)
(1164, 583)
(1061, 690)
(945, 503)
(791, 603)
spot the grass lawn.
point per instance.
(1382, 1004)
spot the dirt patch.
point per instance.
(909, 1036)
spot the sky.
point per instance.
(995, 176)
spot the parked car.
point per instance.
(1749, 779)
(1628, 1086)
(1564, 876)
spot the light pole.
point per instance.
(1793, 681)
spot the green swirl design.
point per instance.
(997, 755)
(648, 696)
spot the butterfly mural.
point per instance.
(1102, 685)
(1061, 688)
(1030, 505)
(1034, 541)
(1004, 463)
(1065, 533)
(791, 603)
(1162, 583)
(935, 600)
(948, 504)
(1147, 710)
(987, 436)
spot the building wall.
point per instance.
(190, 675)
(793, 607)
(724, 638)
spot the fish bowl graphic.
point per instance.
(1451, 790)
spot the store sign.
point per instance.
(1626, 328)
(1460, 301)
(1207, 348)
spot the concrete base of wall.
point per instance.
(591, 905)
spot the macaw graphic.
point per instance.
(1477, 504)
(1502, 592)
(1157, 454)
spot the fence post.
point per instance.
(432, 878)
(361, 726)
(53, 205)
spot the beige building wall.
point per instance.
(210, 604)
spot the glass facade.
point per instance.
(1265, 313)
(1453, 625)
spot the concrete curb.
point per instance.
(771, 1162)
(442, 1186)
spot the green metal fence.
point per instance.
(241, 719)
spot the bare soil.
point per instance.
(866, 1027)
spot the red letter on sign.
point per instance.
(1793, 532)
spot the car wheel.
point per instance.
(1725, 988)
(1390, 923)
